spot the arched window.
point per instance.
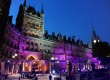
(48, 51)
(32, 43)
(36, 44)
(27, 42)
(31, 58)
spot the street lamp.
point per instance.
(8, 61)
(13, 56)
(94, 41)
(16, 54)
(52, 59)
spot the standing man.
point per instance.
(93, 67)
(50, 77)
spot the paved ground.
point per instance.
(46, 77)
(40, 77)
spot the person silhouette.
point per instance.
(50, 77)
(93, 67)
(35, 77)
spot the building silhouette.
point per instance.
(4, 12)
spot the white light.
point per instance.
(52, 58)
(53, 71)
(16, 54)
(8, 61)
(56, 58)
(94, 41)
(98, 40)
(13, 56)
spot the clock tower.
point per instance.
(95, 38)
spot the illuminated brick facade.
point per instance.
(27, 41)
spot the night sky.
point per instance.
(72, 17)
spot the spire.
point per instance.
(73, 40)
(93, 31)
(42, 10)
(29, 4)
(24, 3)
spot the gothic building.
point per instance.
(35, 49)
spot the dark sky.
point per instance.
(72, 17)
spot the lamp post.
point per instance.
(14, 56)
(52, 60)
(8, 63)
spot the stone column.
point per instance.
(23, 66)
(12, 68)
(2, 67)
(50, 66)
(15, 67)
(30, 66)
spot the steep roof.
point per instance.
(31, 9)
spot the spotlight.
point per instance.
(53, 72)
(8, 61)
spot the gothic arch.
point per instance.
(31, 58)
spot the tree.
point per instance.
(101, 49)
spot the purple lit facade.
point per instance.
(35, 49)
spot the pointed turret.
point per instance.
(24, 3)
(19, 19)
(93, 31)
(95, 38)
(73, 40)
(42, 10)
